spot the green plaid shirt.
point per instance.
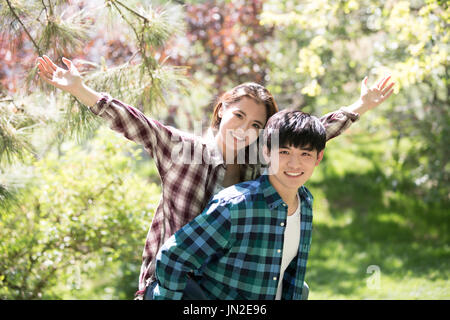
(235, 246)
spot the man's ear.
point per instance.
(266, 154)
(319, 157)
(273, 162)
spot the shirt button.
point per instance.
(284, 204)
(279, 250)
(275, 278)
(282, 224)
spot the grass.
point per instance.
(372, 240)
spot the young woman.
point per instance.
(187, 186)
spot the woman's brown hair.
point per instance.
(254, 91)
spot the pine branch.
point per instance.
(63, 33)
(6, 196)
(126, 20)
(45, 9)
(12, 143)
(16, 125)
(130, 10)
(24, 28)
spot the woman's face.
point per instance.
(240, 124)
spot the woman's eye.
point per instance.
(239, 115)
(257, 126)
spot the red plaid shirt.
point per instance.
(187, 186)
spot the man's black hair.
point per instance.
(295, 128)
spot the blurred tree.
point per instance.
(225, 41)
(78, 224)
(322, 49)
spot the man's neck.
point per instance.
(289, 196)
(293, 202)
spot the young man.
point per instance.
(252, 240)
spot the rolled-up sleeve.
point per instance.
(187, 250)
(159, 140)
(338, 121)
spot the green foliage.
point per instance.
(364, 219)
(79, 227)
(323, 49)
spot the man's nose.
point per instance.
(294, 162)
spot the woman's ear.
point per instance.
(220, 111)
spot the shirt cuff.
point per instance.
(160, 293)
(100, 106)
(353, 116)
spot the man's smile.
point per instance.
(294, 174)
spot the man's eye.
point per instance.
(284, 152)
(306, 154)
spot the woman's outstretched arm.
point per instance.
(158, 139)
(338, 121)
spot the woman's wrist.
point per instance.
(85, 94)
(358, 107)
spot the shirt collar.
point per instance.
(273, 198)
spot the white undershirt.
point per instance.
(290, 245)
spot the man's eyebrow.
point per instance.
(307, 148)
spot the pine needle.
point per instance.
(14, 141)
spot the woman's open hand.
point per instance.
(374, 96)
(68, 80)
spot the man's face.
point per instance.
(291, 167)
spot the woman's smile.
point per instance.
(237, 138)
